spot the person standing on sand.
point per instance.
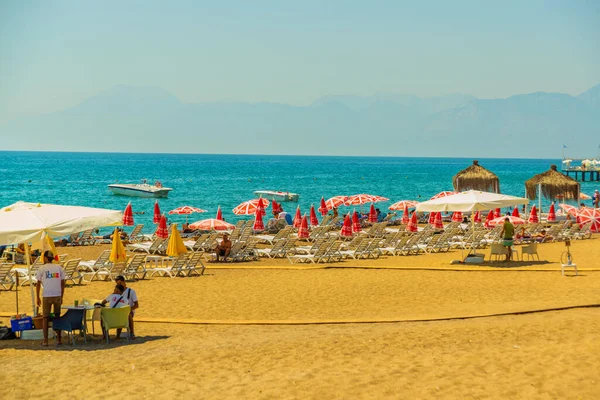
(131, 298)
(508, 232)
(52, 278)
(596, 199)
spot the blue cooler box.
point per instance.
(23, 324)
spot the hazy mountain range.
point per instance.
(148, 119)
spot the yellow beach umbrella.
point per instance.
(176, 246)
(117, 251)
(45, 244)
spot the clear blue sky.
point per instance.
(53, 54)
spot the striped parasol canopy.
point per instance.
(587, 214)
(212, 224)
(513, 220)
(569, 209)
(335, 202)
(443, 194)
(399, 206)
(249, 207)
(359, 199)
(186, 210)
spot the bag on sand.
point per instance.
(6, 333)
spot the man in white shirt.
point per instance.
(52, 278)
(131, 298)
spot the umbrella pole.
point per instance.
(540, 201)
(27, 258)
(17, 289)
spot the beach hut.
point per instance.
(551, 185)
(476, 177)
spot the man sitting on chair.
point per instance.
(224, 248)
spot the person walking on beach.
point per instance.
(52, 278)
(130, 297)
(596, 199)
(508, 232)
(224, 248)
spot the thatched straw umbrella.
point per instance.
(475, 177)
(552, 184)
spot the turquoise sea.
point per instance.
(207, 181)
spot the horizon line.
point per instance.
(282, 155)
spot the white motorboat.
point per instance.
(277, 196)
(143, 189)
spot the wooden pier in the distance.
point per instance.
(579, 173)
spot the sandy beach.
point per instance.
(396, 327)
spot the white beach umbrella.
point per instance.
(471, 200)
(32, 222)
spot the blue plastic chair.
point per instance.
(70, 321)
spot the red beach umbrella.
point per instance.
(405, 216)
(157, 214)
(588, 214)
(186, 210)
(372, 214)
(323, 207)
(313, 216)
(212, 224)
(533, 216)
(489, 218)
(276, 207)
(500, 220)
(355, 222)
(569, 209)
(477, 217)
(438, 221)
(347, 227)
(249, 207)
(359, 199)
(297, 218)
(552, 213)
(497, 213)
(443, 194)
(398, 206)
(412, 223)
(377, 199)
(303, 229)
(258, 221)
(457, 216)
(515, 212)
(431, 220)
(128, 215)
(260, 208)
(335, 202)
(219, 214)
(162, 231)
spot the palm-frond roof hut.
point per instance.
(476, 177)
(553, 184)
